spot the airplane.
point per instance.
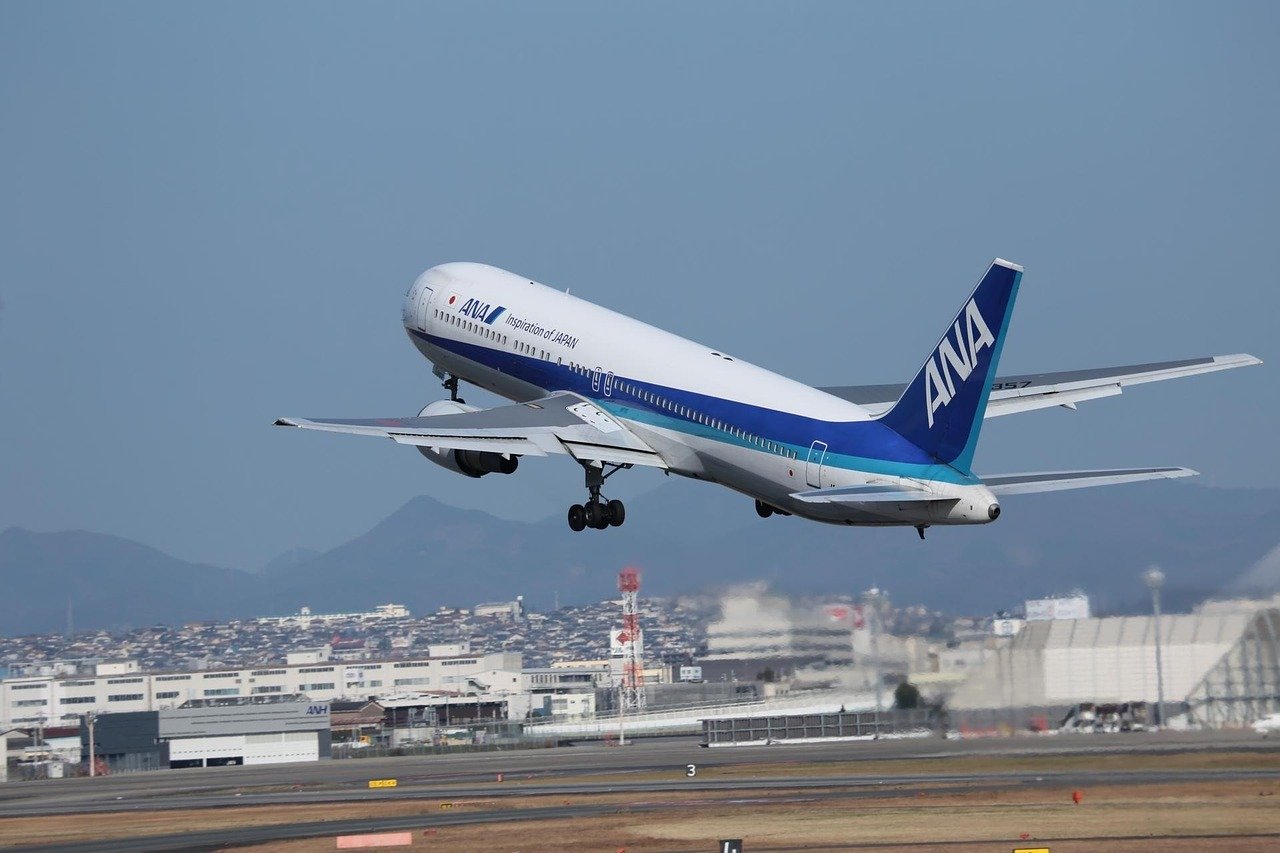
(612, 392)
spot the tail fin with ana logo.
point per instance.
(942, 409)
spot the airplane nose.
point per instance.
(407, 308)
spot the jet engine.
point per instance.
(470, 463)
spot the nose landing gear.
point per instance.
(451, 385)
(597, 513)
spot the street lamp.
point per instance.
(91, 718)
(873, 598)
(1154, 579)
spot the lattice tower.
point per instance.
(632, 666)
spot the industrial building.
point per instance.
(1216, 668)
(210, 734)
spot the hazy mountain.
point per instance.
(689, 536)
(686, 537)
(289, 559)
(425, 554)
(110, 582)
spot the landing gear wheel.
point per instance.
(598, 513)
(763, 509)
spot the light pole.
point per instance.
(91, 718)
(872, 597)
(1154, 578)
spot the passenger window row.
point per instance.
(691, 414)
(495, 336)
(475, 328)
(623, 386)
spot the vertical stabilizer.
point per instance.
(942, 409)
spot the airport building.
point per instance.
(758, 626)
(1217, 667)
(117, 687)
(210, 734)
(305, 618)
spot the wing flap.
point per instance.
(560, 423)
(598, 454)
(516, 445)
(1056, 481)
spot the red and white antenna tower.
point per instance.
(632, 665)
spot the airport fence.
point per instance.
(379, 750)
(688, 720)
(847, 725)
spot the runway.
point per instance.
(541, 780)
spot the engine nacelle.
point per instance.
(469, 463)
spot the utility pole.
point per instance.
(1154, 578)
(622, 718)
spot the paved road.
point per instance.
(331, 781)
(544, 772)
(809, 790)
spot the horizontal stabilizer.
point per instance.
(863, 494)
(1014, 394)
(1057, 481)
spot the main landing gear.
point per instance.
(764, 510)
(597, 513)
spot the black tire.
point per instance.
(763, 509)
(617, 513)
(595, 516)
(577, 518)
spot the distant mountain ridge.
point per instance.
(290, 558)
(109, 581)
(686, 537)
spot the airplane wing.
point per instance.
(1056, 481)
(1012, 394)
(559, 423)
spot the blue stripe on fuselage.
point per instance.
(855, 445)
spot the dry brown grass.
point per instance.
(1232, 817)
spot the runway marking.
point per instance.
(383, 839)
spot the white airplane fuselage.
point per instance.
(709, 415)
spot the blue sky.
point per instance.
(210, 213)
